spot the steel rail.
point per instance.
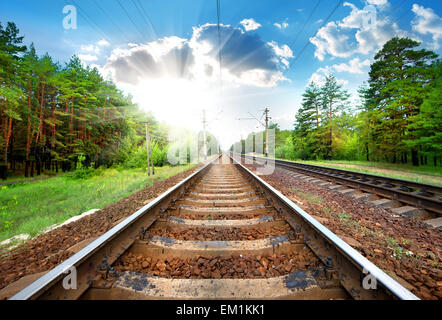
(363, 265)
(382, 186)
(82, 259)
(349, 264)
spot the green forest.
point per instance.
(60, 117)
(398, 119)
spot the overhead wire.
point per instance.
(90, 21)
(322, 25)
(131, 20)
(111, 20)
(306, 22)
(149, 21)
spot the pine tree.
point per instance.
(400, 78)
(334, 100)
(428, 123)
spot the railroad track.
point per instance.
(402, 197)
(222, 233)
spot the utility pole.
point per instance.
(266, 111)
(204, 135)
(149, 152)
(266, 125)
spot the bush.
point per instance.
(82, 172)
(138, 157)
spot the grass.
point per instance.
(310, 197)
(33, 206)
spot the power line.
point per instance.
(306, 22)
(323, 24)
(402, 15)
(149, 21)
(112, 21)
(131, 20)
(90, 21)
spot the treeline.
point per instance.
(51, 114)
(399, 119)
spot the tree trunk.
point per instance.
(3, 171)
(367, 152)
(40, 124)
(8, 136)
(26, 168)
(330, 133)
(414, 158)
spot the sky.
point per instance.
(166, 53)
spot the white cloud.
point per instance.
(380, 3)
(427, 22)
(87, 57)
(282, 25)
(318, 77)
(90, 48)
(330, 40)
(95, 48)
(250, 24)
(246, 59)
(103, 43)
(362, 31)
(283, 51)
(354, 66)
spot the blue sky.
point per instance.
(165, 53)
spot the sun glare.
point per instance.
(176, 101)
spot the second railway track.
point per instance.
(402, 197)
(222, 233)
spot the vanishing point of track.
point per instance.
(221, 233)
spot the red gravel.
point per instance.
(48, 250)
(220, 234)
(404, 248)
(235, 267)
(220, 216)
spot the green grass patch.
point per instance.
(31, 207)
(326, 210)
(310, 197)
(344, 216)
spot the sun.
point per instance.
(176, 101)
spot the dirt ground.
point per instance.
(407, 250)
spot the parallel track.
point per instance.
(222, 233)
(406, 193)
